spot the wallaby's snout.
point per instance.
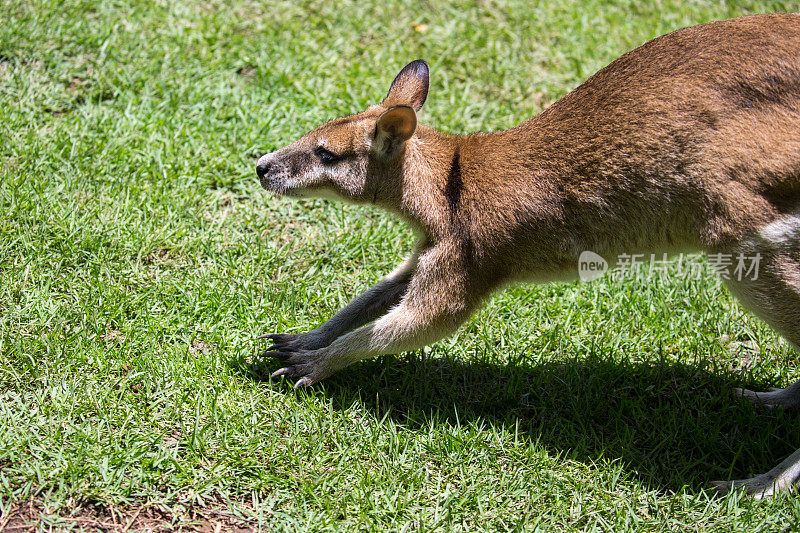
(277, 171)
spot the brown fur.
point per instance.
(689, 142)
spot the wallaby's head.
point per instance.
(351, 157)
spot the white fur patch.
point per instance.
(782, 231)
(324, 193)
(264, 158)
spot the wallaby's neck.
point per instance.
(439, 169)
(432, 177)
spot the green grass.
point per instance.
(139, 258)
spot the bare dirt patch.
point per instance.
(198, 347)
(34, 515)
(246, 70)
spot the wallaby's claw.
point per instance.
(289, 342)
(303, 382)
(289, 356)
(753, 397)
(720, 487)
(279, 338)
(283, 348)
(280, 372)
(285, 371)
(288, 349)
(283, 356)
(723, 488)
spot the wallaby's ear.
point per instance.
(410, 86)
(395, 126)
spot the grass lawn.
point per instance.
(139, 258)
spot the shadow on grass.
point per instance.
(672, 425)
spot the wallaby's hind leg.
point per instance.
(771, 292)
(775, 298)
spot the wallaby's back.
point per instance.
(693, 137)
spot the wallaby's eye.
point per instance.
(327, 156)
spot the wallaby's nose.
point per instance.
(262, 169)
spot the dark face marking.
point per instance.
(455, 185)
(298, 163)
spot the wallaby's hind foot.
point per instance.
(788, 398)
(773, 294)
(783, 478)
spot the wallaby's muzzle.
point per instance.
(265, 170)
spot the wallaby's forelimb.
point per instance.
(434, 305)
(364, 308)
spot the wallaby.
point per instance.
(690, 142)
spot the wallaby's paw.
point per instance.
(310, 366)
